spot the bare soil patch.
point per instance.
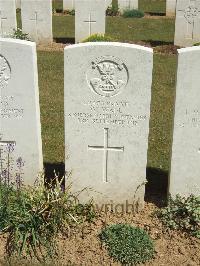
(83, 247)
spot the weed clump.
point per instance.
(182, 214)
(127, 244)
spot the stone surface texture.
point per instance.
(37, 20)
(68, 4)
(90, 18)
(171, 7)
(20, 129)
(127, 4)
(8, 20)
(185, 166)
(107, 109)
(18, 3)
(187, 26)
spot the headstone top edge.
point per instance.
(116, 44)
(188, 49)
(17, 41)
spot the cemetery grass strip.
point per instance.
(155, 6)
(51, 84)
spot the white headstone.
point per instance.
(8, 20)
(187, 27)
(68, 4)
(20, 130)
(90, 18)
(185, 162)
(18, 3)
(171, 7)
(127, 4)
(108, 3)
(107, 109)
(37, 20)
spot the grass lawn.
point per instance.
(122, 29)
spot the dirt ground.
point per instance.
(83, 247)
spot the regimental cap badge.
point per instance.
(108, 76)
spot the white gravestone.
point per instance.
(127, 4)
(18, 3)
(68, 4)
(107, 109)
(108, 3)
(185, 166)
(37, 20)
(90, 18)
(171, 7)
(187, 26)
(20, 129)
(8, 20)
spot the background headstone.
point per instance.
(107, 109)
(108, 3)
(170, 7)
(18, 3)
(187, 26)
(8, 20)
(20, 129)
(90, 18)
(127, 4)
(185, 166)
(37, 20)
(68, 4)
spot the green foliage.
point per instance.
(197, 44)
(99, 38)
(182, 214)
(18, 34)
(113, 10)
(34, 216)
(127, 244)
(133, 13)
(69, 12)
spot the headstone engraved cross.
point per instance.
(106, 149)
(36, 19)
(187, 30)
(190, 13)
(90, 21)
(2, 18)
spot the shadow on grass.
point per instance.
(155, 43)
(157, 187)
(155, 190)
(159, 14)
(65, 40)
(54, 169)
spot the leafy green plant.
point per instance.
(34, 216)
(182, 214)
(18, 34)
(133, 13)
(99, 38)
(113, 10)
(197, 44)
(127, 244)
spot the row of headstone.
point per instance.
(107, 112)
(36, 16)
(122, 4)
